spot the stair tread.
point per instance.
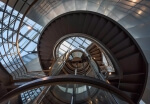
(111, 34)
(122, 45)
(99, 26)
(106, 28)
(118, 38)
(126, 52)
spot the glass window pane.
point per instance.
(37, 38)
(66, 43)
(69, 40)
(78, 40)
(13, 39)
(39, 27)
(6, 20)
(23, 53)
(85, 45)
(82, 38)
(23, 42)
(31, 34)
(61, 51)
(88, 41)
(63, 48)
(72, 47)
(24, 29)
(75, 44)
(16, 23)
(30, 22)
(31, 46)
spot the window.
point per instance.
(24, 29)
(31, 46)
(31, 34)
(72, 43)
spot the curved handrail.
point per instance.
(17, 42)
(62, 79)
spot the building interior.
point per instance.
(74, 51)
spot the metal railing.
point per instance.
(58, 65)
(100, 76)
(65, 79)
(56, 68)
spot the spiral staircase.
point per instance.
(82, 18)
(111, 35)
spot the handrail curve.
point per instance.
(63, 79)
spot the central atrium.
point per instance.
(74, 51)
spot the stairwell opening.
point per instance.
(78, 45)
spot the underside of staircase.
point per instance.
(111, 35)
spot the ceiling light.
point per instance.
(29, 27)
(110, 73)
(139, 12)
(134, 0)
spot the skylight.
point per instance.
(73, 43)
(28, 36)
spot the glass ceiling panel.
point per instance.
(31, 46)
(29, 34)
(73, 43)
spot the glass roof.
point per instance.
(28, 38)
(73, 43)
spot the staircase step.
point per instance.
(103, 67)
(93, 49)
(96, 55)
(130, 87)
(131, 94)
(87, 22)
(126, 52)
(99, 26)
(99, 63)
(93, 24)
(98, 58)
(122, 45)
(105, 30)
(116, 40)
(134, 62)
(95, 52)
(133, 78)
(111, 34)
(64, 25)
